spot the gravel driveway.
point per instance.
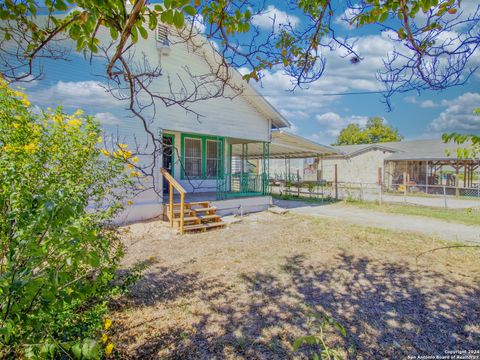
(444, 230)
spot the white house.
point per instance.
(221, 156)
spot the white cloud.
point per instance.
(293, 128)
(340, 76)
(347, 16)
(71, 94)
(199, 23)
(332, 123)
(272, 16)
(295, 115)
(107, 118)
(458, 116)
(428, 104)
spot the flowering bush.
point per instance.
(58, 194)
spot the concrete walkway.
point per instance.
(430, 226)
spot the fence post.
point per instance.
(445, 196)
(380, 184)
(404, 187)
(335, 174)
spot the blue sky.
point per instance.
(313, 114)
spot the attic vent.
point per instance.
(162, 34)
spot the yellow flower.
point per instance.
(130, 202)
(26, 102)
(104, 338)
(135, 159)
(123, 146)
(16, 125)
(127, 154)
(130, 166)
(79, 112)
(135, 174)
(30, 148)
(107, 323)
(105, 152)
(74, 122)
(9, 148)
(57, 118)
(99, 140)
(109, 349)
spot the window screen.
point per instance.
(213, 155)
(193, 157)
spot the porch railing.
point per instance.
(173, 184)
(242, 184)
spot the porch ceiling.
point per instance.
(287, 145)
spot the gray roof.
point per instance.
(432, 149)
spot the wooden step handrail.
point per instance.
(173, 184)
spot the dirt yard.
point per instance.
(244, 292)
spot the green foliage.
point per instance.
(319, 324)
(292, 49)
(57, 256)
(405, 11)
(352, 134)
(81, 24)
(375, 131)
(470, 148)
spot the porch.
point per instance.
(459, 177)
(220, 168)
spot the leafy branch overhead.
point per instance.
(469, 143)
(423, 57)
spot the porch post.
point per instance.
(268, 167)
(264, 158)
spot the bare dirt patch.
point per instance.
(244, 292)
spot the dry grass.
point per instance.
(469, 216)
(244, 292)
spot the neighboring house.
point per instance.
(425, 163)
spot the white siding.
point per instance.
(236, 118)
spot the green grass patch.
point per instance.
(308, 199)
(469, 216)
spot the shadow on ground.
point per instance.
(389, 311)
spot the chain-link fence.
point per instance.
(415, 194)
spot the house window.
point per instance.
(213, 147)
(193, 157)
(202, 156)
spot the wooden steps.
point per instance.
(203, 226)
(198, 216)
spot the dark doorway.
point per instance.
(168, 157)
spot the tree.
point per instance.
(57, 257)
(375, 131)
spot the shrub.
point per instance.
(58, 253)
(319, 324)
